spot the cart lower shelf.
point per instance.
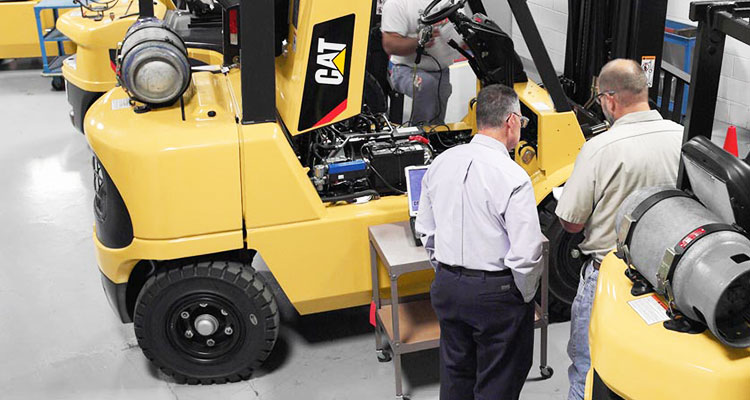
(417, 322)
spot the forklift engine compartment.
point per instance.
(366, 155)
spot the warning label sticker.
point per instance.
(650, 309)
(648, 63)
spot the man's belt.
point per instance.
(474, 272)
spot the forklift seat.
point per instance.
(720, 180)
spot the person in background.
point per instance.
(640, 150)
(428, 84)
(478, 222)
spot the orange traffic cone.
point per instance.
(730, 143)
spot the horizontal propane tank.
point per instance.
(710, 280)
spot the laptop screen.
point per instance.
(414, 177)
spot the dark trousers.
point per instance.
(486, 336)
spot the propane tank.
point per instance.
(153, 65)
(710, 260)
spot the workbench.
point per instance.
(406, 325)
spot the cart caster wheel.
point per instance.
(384, 356)
(58, 83)
(547, 372)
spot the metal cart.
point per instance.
(408, 325)
(52, 66)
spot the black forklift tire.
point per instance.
(58, 83)
(565, 262)
(207, 322)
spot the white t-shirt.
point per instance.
(402, 17)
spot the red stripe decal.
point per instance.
(333, 114)
(112, 65)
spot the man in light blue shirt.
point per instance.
(479, 224)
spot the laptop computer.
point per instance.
(414, 175)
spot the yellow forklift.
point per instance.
(272, 152)
(97, 28)
(18, 33)
(671, 316)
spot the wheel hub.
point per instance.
(204, 327)
(206, 324)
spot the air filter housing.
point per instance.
(153, 65)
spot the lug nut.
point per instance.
(204, 305)
(210, 342)
(189, 334)
(224, 312)
(228, 330)
(185, 315)
(575, 253)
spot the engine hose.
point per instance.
(350, 196)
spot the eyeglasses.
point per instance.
(599, 96)
(524, 120)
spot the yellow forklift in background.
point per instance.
(671, 315)
(272, 152)
(18, 33)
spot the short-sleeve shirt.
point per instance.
(640, 150)
(402, 17)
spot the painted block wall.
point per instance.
(733, 105)
(551, 17)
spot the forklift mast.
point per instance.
(602, 30)
(715, 21)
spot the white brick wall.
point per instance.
(733, 105)
(551, 17)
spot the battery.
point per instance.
(389, 161)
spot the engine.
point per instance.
(367, 155)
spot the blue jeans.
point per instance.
(578, 346)
(430, 103)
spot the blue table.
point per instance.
(688, 45)
(52, 67)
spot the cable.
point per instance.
(434, 130)
(351, 196)
(440, 82)
(388, 185)
(414, 93)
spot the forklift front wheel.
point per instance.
(208, 322)
(565, 262)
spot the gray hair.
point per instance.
(494, 104)
(626, 78)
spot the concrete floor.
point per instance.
(59, 338)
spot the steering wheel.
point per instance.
(429, 17)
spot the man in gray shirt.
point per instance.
(479, 224)
(641, 150)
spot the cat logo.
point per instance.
(326, 91)
(331, 63)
